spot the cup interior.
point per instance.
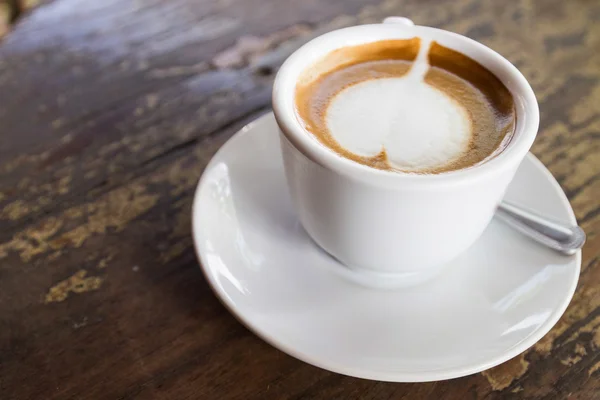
(527, 113)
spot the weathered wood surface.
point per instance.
(109, 111)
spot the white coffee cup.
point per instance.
(386, 221)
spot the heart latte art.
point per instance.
(406, 106)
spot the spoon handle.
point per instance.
(564, 238)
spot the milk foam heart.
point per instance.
(418, 126)
(406, 106)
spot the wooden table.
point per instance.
(109, 111)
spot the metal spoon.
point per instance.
(556, 235)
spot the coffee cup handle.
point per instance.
(399, 20)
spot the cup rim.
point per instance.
(527, 110)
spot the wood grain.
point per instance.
(109, 112)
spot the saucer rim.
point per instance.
(385, 376)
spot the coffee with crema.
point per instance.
(406, 106)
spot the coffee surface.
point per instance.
(406, 106)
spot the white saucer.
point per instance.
(486, 307)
